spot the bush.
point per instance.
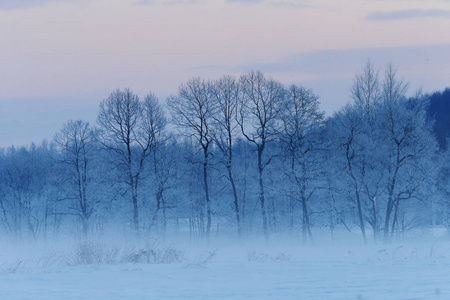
(87, 253)
(264, 257)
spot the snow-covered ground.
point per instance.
(395, 271)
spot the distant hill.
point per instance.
(439, 110)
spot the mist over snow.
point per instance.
(120, 268)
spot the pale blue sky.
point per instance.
(60, 58)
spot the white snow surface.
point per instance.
(378, 271)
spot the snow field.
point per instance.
(395, 271)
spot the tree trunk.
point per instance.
(389, 208)
(291, 212)
(357, 196)
(394, 221)
(273, 211)
(236, 202)
(261, 195)
(360, 215)
(306, 226)
(208, 204)
(155, 218)
(164, 217)
(375, 221)
(391, 200)
(134, 199)
(85, 227)
(135, 211)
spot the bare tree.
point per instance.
(154, 124)
(366, 92)
(300, 136)
(407, 139)
(129, 129)
(191, 109)
(165, 170)
(346, 130)
(225, 93)
(25, 187)
(366, 95)
(75, 141)
(362, 138)
(259, 114)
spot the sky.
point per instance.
(60, 58)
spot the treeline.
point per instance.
(439, 111)
(241, 157)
